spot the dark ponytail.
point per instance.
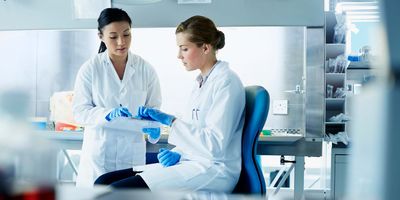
(108, 16)
(102, 47)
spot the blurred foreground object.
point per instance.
(24, 159)
(375, 162)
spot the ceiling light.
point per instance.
(359, 11)
(134, 2)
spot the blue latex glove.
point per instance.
(156, 115)
(118, 112)
(153, 134)
(168, 158)
(143, 113)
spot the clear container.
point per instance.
(153, 140)
(329, 91)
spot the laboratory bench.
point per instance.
(72, 140)
(267, 145)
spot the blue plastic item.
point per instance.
(354, 58)
(39, 125)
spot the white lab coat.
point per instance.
(98, 90)
(209, 140)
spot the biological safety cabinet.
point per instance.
(280, 43)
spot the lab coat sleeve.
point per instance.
(84, 111)
(222, 120)
(153, 89)
(176, 149)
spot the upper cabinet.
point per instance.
(60, 14)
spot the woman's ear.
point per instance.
(100, 36)
(207, 48)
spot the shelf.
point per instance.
(335, 123)
(280, 138)
(335, 99)
(359, 65)
(335, 103)
(333, 106)
(330, 22)
(335, 77)
(334, 127)
(333, 50)
(341, 145)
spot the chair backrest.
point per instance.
(251, 180)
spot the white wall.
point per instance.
(259, 55)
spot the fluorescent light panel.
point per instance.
(359, 11)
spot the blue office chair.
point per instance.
(251, 180)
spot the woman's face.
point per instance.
(191, 55)
(117, 38)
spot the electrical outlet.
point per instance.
(280, 107)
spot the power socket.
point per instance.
(280, 107)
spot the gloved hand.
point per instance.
(156, 115)
(153, 134)
(118, 112)
(167, 157)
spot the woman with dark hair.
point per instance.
(110, 85)
(207, 139)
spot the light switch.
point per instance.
(280, 107)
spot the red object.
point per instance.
(44, 193)
(59, 126)
(40, 194)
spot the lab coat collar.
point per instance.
(129, 68)
(212, 73)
